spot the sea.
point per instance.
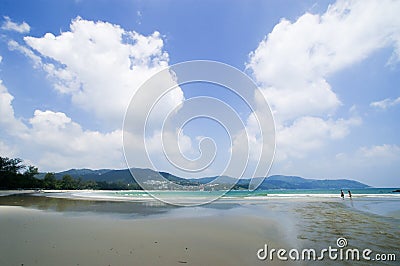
(237, 194)
(379, 201)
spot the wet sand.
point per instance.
(38, 230)
(182, 237)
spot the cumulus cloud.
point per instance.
(81, 148)
(8, 24)
(53, 141)
(386, 103)
(63, 80)
(8, 122)
(101, 65)
(15, 46)
(293, 62)
(308, 134)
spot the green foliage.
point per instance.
(12, 166)
(49, 181)
(67, 182)
(15, 175)
(31, 171)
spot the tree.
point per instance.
(50, 181)
(90, 184)
(68, 182)
(15, 175)
(31, 171)
(10, 177)
(12, 166)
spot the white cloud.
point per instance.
(293, 62)
(386, 103)
(139, 16)
(377, 165)
(308, 134)
(52, 141)
(296, 100)
(64, 143)
(8, 123)
(64, 81)
(13, 26)
(101, 65)
(36, 60)
(386, 152)
(6, 151)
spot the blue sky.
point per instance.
(329, 70)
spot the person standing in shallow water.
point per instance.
(342, 194)
(349, 193)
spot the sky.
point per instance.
(329, 70)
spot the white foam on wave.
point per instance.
(142, 196)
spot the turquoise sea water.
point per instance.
(258, 193)
(378, 201)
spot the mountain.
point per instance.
(123, 175)
(213, 179)
(287, 182)
(87, 173)
(296, 182)
(271, 182)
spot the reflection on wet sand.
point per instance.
(41, 202)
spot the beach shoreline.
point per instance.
(37, 237)
(66, 230)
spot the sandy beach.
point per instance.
(38, 230)
(184, 236)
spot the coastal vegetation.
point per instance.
(15, 175)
